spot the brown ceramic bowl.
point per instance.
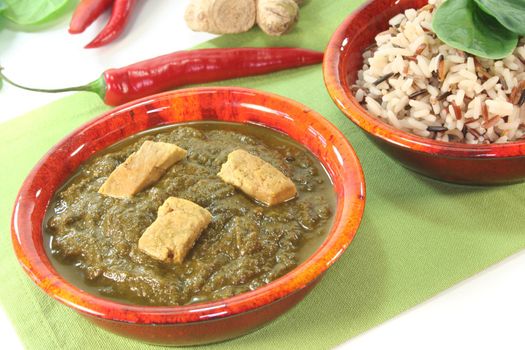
(451, 162)
(205, 322)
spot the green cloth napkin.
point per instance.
(417, 238)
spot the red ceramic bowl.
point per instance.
(458, 163)
(205, 322)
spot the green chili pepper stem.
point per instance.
(97, 86)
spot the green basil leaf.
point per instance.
(464, 26)
(510, 13)
(28, 12)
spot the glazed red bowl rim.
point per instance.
(338, 239)
(348, 104)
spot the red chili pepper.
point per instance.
(117, 22)
(86, 13)
(177, 69)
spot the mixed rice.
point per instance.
(416, 83)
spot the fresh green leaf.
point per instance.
(3, 6)
(28, 12)
(463, 25)
(510, 13)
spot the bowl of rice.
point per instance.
(439, 111)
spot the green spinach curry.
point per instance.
(92, 239)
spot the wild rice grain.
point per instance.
(480, 70)
(457, 111)
(491, 122)
(436, 128)
(516, 92)
(441, 68)
(474, 132)
(418, 93)
(383, 78)
(521, 101)
(484, 112)
(444, 95)
(420, 49)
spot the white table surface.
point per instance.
(486, 311)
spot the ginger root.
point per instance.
(221, 16)
(276, 17)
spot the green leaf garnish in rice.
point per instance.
(510, 13)
(463, 25)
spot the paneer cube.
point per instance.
(141, 169)
(257, 178)
(178, 225)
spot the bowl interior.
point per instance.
(343, 59)
(226, 104)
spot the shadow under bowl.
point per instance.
(211, 321)
(451, 162)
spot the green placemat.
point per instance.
(418, 237)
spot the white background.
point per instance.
(484, 312)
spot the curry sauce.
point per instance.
(92, 239)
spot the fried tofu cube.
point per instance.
(178, 225)
(257, 178)
(141, 169)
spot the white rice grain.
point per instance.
(501, 108)
(417, 124)
(396, 20)
(373, 106)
